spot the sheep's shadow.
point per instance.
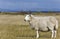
(34, 36)
(27, 36)
(45, 36)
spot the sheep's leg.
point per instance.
(55, 34)
(37, 34)
(52, 34)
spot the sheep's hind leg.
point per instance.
(55, 34)
(37, 34)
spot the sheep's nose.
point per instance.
(24, 20)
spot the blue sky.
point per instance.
(30, 4)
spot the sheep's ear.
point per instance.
(30, 15)
(30, 12)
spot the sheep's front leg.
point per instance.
(37, 34)
(52, 34)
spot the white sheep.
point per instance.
(43, 23)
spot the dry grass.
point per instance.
(14, 27)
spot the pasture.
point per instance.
(14, 27)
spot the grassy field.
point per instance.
(14, 27)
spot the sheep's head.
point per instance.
(27, 17)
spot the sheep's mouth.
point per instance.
(27, 20)
(24, 20)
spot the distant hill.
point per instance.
(32, 10)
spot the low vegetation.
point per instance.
(14, 27)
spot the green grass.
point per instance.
(13, 27)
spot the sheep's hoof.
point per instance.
(37, 37)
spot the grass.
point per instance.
(13, 27)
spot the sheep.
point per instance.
(43, 24)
